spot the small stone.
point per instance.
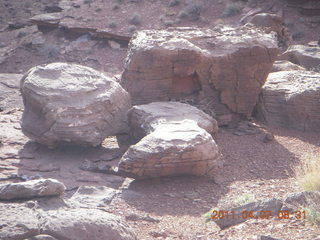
(269, 137)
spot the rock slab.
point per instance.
(291, 99)
(172, 140)
(220, 70)
(69, 103)
(32, 188)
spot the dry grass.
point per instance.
(308, 172)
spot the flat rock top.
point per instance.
(73, 78)
(306, 50)
(222, 38)
(293, 82)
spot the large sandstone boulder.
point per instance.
(291, 99)
(72, 103)
(220, 70)
(174, 141)
(306, 56)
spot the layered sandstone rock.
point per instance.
(306, 56)
(174, 141)
(72, 103)
(291, 99)
(9, 91)
(220, 70)
(284, 65)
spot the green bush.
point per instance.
(135, 20)
(232, 9)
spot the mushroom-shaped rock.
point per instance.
(72, 103)
(291, 99)
(174, 141)
(220, 70)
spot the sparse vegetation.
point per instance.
(112, 25)
(232, 9)
(131, 29)
(182, 14)
(173, 3)
(22, 34)
(307, 172)
(115, 6)
(244, 199)
(87, 1)
(313, 215)
(135, 20)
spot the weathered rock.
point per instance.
(267, 238)
(32, 188)
(42, 237)
(308, 57)
(271, 22)
(17, 222)
(291, 99)
(297, 200)
(72, 103)
(284, 65)
(89, 196)
(221, 70)
(83, 224)
(240, 214)
(10, 96)
(173, 141)
(144, 119)
(47, 19)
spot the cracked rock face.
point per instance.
(220, 70)
(291, 99)
(72, 103)
(172, 141)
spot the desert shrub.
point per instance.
(232, 9)
(312, 213)
(244, 199)
(173, 3)
(182, 14)
(112, 25)
(194, 11)
(135, 20)
(115, 6)
(87, 1)
(307, 172)
(131, 29)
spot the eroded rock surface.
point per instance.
(9, 91)
(284, 65)
(220, 70)
(174, 141)
(32, 188)
(72, 103)
(306, 56)
(291, 99)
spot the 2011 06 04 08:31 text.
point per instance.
(224, 214)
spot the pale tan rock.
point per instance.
(72, 103)
(173, 139)
(308, 57)
(32, 188)
(291, 99)
(222, 69)
(284, 65)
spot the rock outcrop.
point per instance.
(174, 141)
(306, 56)
(272, 22)
(220, 70)
(32, 188)
(26, 221)
(72, 103)
(9, 91)
(284, 65)
(291, 99)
